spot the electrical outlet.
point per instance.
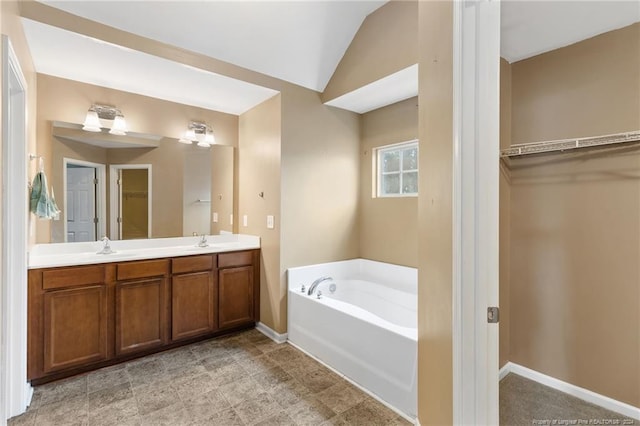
(215, 217)
(245, 220)
(270, 222)
(230, 219)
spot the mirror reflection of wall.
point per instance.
(196, 208)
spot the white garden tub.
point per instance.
(366, 329)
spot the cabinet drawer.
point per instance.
(180, 265)
(72, 277)
(142, 269)
(240, 258)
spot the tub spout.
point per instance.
(316, 283)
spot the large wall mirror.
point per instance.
(137, 186)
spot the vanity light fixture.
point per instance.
(105, 116)
(199, 132)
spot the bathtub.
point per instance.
(366, 329)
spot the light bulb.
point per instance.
(210, 139)
(190, 134)
(92, 121)
(119, 126)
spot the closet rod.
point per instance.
(567, 144)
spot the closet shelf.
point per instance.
(567, 144)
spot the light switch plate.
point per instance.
(215, 217)
(245, 220)
(270, 222)
(230, 219)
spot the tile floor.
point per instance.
(244, 379)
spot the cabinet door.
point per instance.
(193, 302)
(141, 315)
(75, 327)
(236, 296)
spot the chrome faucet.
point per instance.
(106, 247)
(203, 241)
(316, 283)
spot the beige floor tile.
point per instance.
(241, 390)
(279, 419)
(341, 396)
(257, 409)
(309, 412)
(152, 398)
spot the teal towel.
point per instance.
(41, 204)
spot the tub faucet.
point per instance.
(316, 283)
(106, 248)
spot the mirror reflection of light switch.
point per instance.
(270, 221)
(245, 220)
(215, 217)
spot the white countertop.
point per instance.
(70, 254)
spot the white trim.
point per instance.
(504, 371)
(101, 194)
(363, 389)
(476, 54)
(114, 194)
(573, 390)
(271, 333)
(15, 391)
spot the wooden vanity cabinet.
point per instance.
(85, 317)
(68, 318)
(141, 306)
(194, 297)
(237, 281)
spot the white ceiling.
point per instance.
(386, 91)
(297, 41)
(529, 28)
(69, 55)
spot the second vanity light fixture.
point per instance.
(198, 132)
(100, 116)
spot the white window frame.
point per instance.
(379, 151)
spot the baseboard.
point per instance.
(506, 369)
(271, 334)
(573, 390)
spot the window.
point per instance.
(397, 170)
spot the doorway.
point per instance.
(130, 204)
(84, 200)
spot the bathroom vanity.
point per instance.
(87, 311)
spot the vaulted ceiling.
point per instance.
(301, 42)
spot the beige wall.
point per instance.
(319, 178)
(388, 226)
(505, 220)
(435, 228)
(568, 92)
(259, 172)
(575, 227)
(385, 43)
(66, 100)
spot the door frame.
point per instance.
(114, 194)
(15, 391)
(101, 194)
(476, 108)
